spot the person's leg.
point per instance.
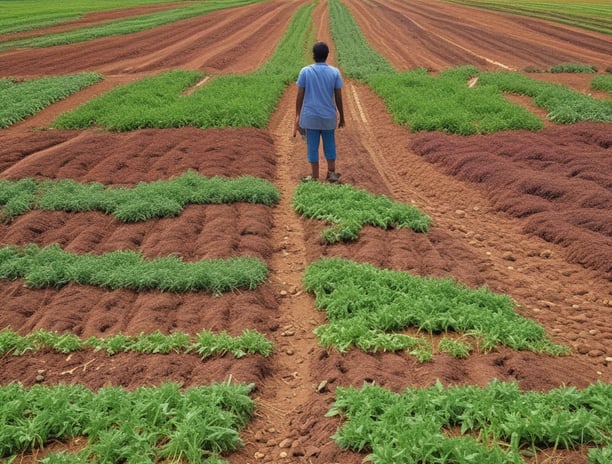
(329, 149)
(313, 138)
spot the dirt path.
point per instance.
(471, 239)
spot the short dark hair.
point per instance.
(320, 50)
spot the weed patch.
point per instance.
(163, 198)
(53, 267)
(349, 209)
(368, 307)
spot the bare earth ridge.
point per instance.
(526, 214)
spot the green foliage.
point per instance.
(366, 307)
(602, 82)
(147, 425)
(446, 103)
(600, 455)
(456, 348)
(497, 422)
(207, 344)
(120, 27)
(20, 99)
(51, 266)
(225, 101)
(573, 68)
(349, 209)
(357, 58)
(144, 201)
(564, 106)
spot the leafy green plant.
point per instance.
(456, 348)
(225, 101)
(206, 343)
(20, 99)
(51, 266)
(602, 82)
(142, 202)
(573, 68)
(367, 307)
(147, 425)
(349, 209)
(497, 422)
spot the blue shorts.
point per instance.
(313, 138)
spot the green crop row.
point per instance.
(573, 68)
(119, 27)
(349, 209)
(368, 308)
(206, 343)
(356, 57)
(594, 15)
(20, 99)
(225, 101)
(470, 424)
(564, 106)
(150, 424)
(144, 201)
(446, 102)
(35, 14)
(53, 267)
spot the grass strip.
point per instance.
(602, 82)
(446, 103)
(150, 424)
(594, 15)
(225, 101)
(349, 209)
(27, 15)
(206, 343)
(497, 423)
(355, 55)
(53, 267)
(368, 307)
(142, 202)
(20, 99)
(573, 68)
(564, 106)
(124, 26)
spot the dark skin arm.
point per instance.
(299, 101)
(338, 98)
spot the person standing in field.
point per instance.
(319, 110)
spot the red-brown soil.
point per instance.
(526, 214)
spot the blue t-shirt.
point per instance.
(319, 109)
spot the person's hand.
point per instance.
(296, 125)
(341, 122)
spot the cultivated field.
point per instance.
(523, 213)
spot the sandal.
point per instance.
(309, 179)
(333, 177)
